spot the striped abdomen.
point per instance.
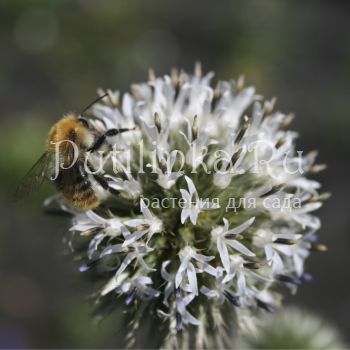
(76, 187)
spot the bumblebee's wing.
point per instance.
(35, 176)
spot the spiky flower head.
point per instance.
(213, 214)
(292, 328)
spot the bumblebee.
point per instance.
(80, 188)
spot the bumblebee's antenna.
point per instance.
(92, 103)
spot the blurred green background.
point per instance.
(53, 56)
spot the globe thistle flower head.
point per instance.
(291, 328)
(214, 207)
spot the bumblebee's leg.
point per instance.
(102, 139)
(102, 181)
(82, 175)
(84, 122)
(104, 184)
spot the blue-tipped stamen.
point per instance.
(89, 266)
(289, 279)
(264, 306)
(131, 296)
(232, 298)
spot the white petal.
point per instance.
(239, 229)
(191, 187)
(144, 265)
(116, 248)
(181, 271)
(299, 264)
(185, 214)
(209, 269)
(228, 277)
(125, 231)
(81, 227)
(277, 263)
(268, 252)
(306, 220)
(188, 299)
(133, 238)
(94, 217)
(225, 259)
(239, 247)
(194, 216)
(134, 222)
(168, 290)
(285, 249)
(127, 105)
(309, 207)
(188, 318)
(164, 273)
(203, 258)
(146, 212)
(94, 243)
(151, 292)
(241, 285)
(126, 262)
(186, 196)
(208, 292)
(192, 278)
(144, 280)
(226, 224)
(113, 283)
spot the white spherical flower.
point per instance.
(212, 208)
